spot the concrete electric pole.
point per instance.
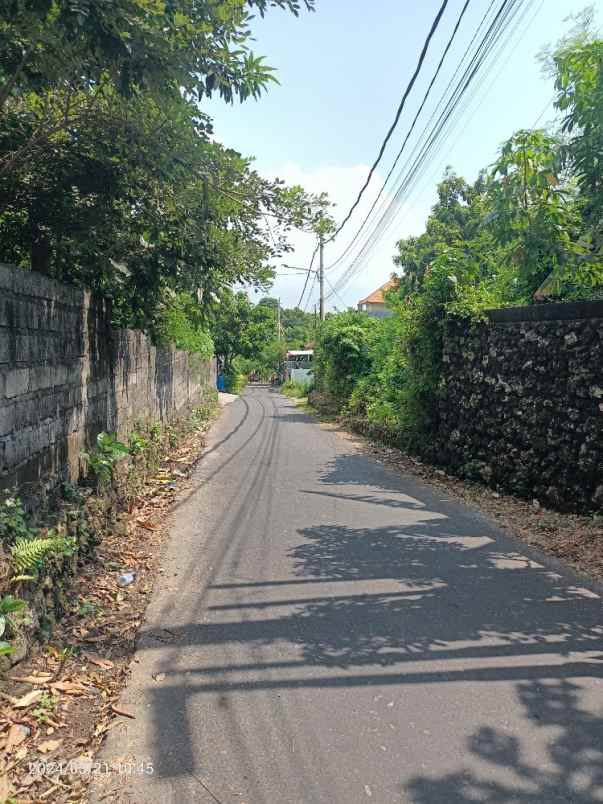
(321, 278)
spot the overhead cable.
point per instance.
(392, 128)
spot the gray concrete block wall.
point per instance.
(67, 375)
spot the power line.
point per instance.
(543, 112)
(335, 292)
(450, 106)
(411, 129)
(307, 304)
(470, 102)
(411, 83)
(503, 17)
(308, 275)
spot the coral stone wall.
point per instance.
(521, 403)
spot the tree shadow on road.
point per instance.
(431, 598)
(462, 588)
(574, 763)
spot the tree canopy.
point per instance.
(251, 332)
(109, 175)
(165, 47)
(536, 215)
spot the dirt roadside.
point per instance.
(58, 704)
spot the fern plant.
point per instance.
(8, 606)
(29, 554)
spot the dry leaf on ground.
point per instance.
(4, 788)
(69, 687)
(94, 658)
(49, 745)
(39, 678)
(28, 699)
(16, 734)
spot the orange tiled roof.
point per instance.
(378, 296)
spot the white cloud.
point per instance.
(342, 184)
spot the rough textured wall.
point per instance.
(66, 375)
(522, 403)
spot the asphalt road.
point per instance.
(328, 630)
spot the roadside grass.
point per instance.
(236, 383)
(296, 390)
(305, 404)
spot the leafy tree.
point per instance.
(181, 323)
(161, 47)
(241, 329)
(534, 212)
(579, 85)
(298, 327)
(455, 219)
(270, 358)
(135, 202)
(57, 57)
(108, 176)
(228, 324)
(262, 326)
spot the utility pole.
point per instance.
(321, 277)
(278, 320)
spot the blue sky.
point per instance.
(342, 71)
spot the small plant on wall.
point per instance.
(13, 523)
(9, 606)
(103, 459)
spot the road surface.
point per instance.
(329, 630)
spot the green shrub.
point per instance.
(103, 459)
(398, 393)
(297, 390)
(235, 382)
(13, 524)
(343, 353)
(180, 324)
(209, 405)
(137, 443)
(30, 554)
(9, 605)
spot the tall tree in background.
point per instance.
(456, 220)
(579, 85)
(58, 56)
(248, 331)
(534, 214)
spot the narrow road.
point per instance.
(328, 630)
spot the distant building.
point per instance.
(374, 303)
(298, 366)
